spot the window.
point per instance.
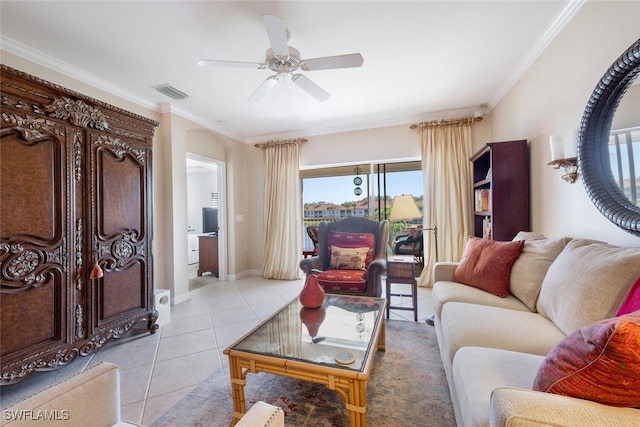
(329, 194)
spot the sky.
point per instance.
(340, 189)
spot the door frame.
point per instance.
(222, 210)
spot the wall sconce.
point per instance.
(558, 159)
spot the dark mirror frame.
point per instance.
(593, 141)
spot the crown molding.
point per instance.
(553, 29)
(355, 127)
(62, 67)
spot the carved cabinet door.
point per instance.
(119, 198)
(37, 250)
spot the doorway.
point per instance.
(206, 231)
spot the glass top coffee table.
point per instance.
(333, 345)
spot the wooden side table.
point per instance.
(401, 269)
(208, 254)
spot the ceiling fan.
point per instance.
(285, 60)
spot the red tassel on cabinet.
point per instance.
(96, 271)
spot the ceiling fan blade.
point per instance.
(277, 32)
(330, 62)
(310, 87)
(265, 87)
(220, 63)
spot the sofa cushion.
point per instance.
(599, 362)
(343, 280)
(444, 292)
(528, 272)
(632, 300)
(586, 283)
(465, 325)
(90, 398)
(348, 258)
(478, 371)
(352, 240)
(486, 264)
(529, 235)
(518, 407)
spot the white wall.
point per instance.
(550, 98)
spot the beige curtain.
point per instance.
(446, 149)
(282, 210)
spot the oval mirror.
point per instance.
(606, 185)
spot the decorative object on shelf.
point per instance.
(312, 319)
(312, 294)
(558, 159)
(357, 181)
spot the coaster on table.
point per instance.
(345, 357)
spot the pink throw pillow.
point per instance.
(486, 264)
(632, 301)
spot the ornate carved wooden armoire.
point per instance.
(75, 190)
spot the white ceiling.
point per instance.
(422, 59)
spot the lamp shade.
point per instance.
(404, 207)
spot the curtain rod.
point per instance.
(446, 122)
(277, 142)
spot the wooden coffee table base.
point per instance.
(351, 385)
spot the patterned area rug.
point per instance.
(407, 388)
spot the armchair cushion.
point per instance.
(343, 280)
(348, 258)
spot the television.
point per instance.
(210, 220)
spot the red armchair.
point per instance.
(342, 265)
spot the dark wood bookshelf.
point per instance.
(501, 170)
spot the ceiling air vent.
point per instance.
(171, 91)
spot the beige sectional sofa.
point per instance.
(492, 347)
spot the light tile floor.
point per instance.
(160, 369)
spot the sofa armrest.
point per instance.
(262, 414)
(90, 398)
(514, 407)
(443, 271)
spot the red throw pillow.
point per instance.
(599, 362)
(352, 240)
(632, 301)
(486, 264)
